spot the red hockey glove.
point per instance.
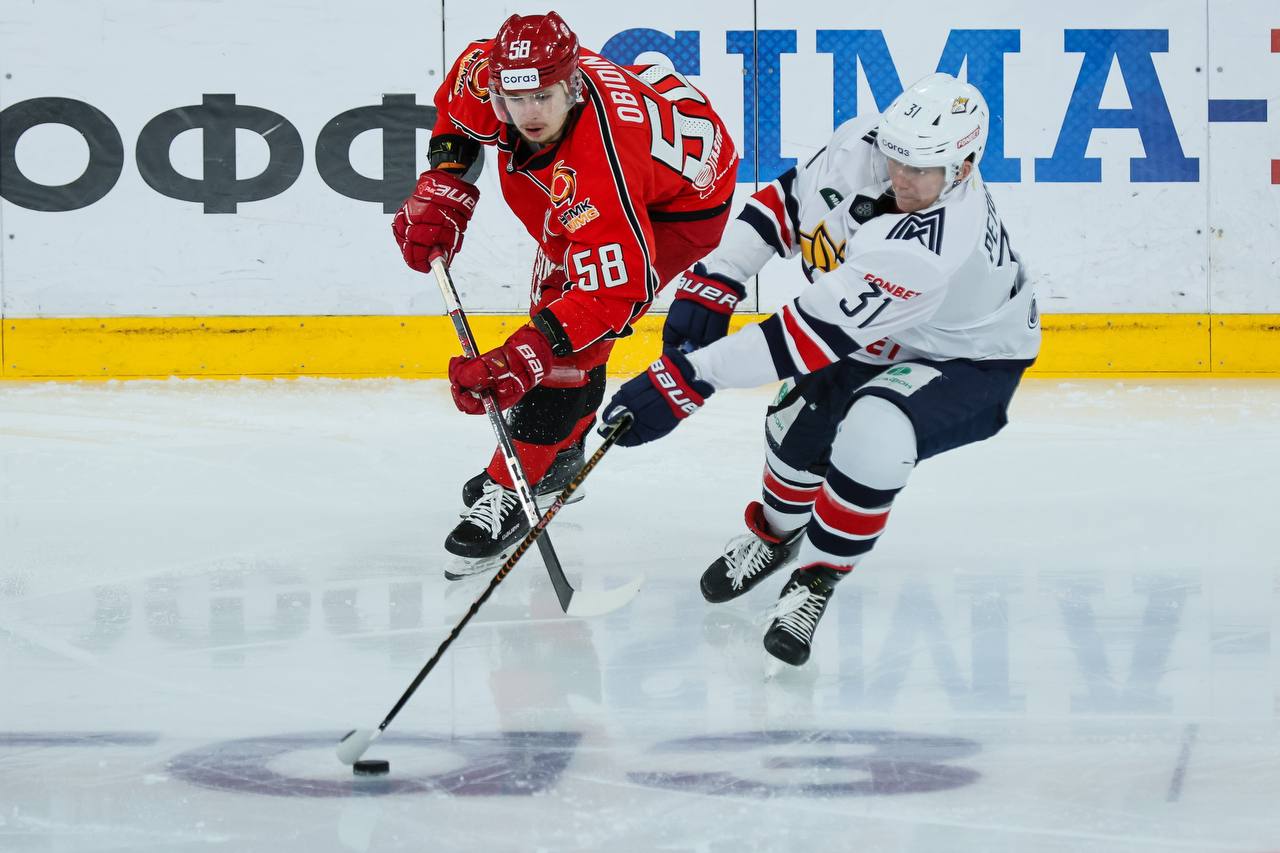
(432, 220)
(700, 313)
(508, 372)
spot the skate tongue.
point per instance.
(746, 556)
(756, 523)
(788, 603)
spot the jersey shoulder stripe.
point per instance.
(764, 225)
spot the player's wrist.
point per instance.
(717, 293)
(549, 326)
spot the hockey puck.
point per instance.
(371, 767)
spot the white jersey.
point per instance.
(939, 284)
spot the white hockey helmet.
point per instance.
(938, 121)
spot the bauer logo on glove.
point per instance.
(658, 399)
(677, 395)
(507, 372)
(701, 310)
(710, 293)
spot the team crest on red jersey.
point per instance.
(564, 185)
(475, 61)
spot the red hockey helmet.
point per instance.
(532, 52)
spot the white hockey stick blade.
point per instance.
(597, 602)
(351, 747)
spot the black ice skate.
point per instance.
(796, 614)
(490, 529)
(748, 559)
(567, 463)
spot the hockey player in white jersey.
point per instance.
(909, 342)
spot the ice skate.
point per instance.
(489, 531)
(567, 463)
(795, 616)
(748, 559)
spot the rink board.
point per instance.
(1134, 155)
(134, 347)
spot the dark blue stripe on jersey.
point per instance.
(824, 540)
(785, 506)
(870, 137)
(764, 226)
(776, 337)
(832, 335)
(815, 157)
(852, 492)
(787, 180)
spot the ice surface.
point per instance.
(1063, 642)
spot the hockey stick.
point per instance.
(356, 741)
(564, 591)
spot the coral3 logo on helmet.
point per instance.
(518, 79)
(532, 52)
(894, 147)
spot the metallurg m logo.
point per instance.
(927, 228)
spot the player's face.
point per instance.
(915, 188)
(540, 115)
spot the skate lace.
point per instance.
(798, 612)
(490, 508)
(746, 556)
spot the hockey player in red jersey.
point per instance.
(909, 342)
(623, 176)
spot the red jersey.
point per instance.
(643, 146)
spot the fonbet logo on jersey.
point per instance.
(889, 287)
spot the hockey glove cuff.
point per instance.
(701, 310)
(658, 399)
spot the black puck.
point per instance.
(371, 767)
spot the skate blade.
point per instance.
(461, 568)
